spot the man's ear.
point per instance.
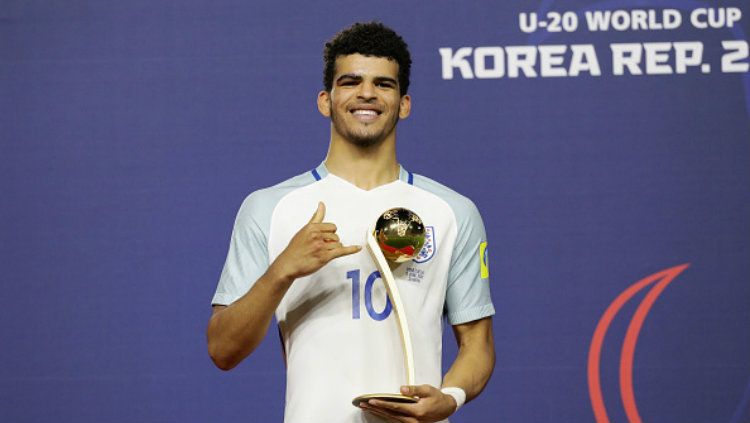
(405, 108)
(324, 103)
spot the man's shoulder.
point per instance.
(284, 187)
(260, 204)
(459, 203)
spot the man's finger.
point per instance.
(333, 245)
(330, 237)
(387, 406)
(324, 227)
(417, 390)
(320, 213)
(382, 413)
(344, 251)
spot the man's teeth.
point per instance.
(365, 112)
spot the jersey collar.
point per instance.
(404, 175)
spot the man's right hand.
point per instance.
(311, 248)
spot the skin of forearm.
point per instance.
(475, 361)
(236, 330)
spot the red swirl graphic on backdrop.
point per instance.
(661, 280)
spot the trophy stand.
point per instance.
(398, 309)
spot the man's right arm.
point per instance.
(235, 331)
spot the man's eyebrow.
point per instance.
(349, 76)
(386, 79)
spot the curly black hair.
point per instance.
(368, 39)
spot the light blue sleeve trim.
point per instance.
(468, 295)
(247, 259)
(471, 315)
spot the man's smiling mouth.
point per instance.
(368, 114)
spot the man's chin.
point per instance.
(365, 141)
(365, 138)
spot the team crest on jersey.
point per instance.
(430, 245)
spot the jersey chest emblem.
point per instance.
(430, 246)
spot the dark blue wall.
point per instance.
(131, 131)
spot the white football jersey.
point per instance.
(340, 335)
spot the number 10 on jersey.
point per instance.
(354, 276)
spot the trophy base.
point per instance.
(383, 397)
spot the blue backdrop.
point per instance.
(130, 132)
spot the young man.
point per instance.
(340, 338)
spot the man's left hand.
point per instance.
(433, 406)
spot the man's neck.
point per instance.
(366, 168)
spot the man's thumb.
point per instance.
(319, 213)
(415, 390)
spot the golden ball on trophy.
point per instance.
(400, 234)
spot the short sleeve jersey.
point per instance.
(339, 333)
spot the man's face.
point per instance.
(365, 101)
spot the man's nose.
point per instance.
(367, 90)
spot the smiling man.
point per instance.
(339, 334)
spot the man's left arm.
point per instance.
(470, 372)
(476, 357)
